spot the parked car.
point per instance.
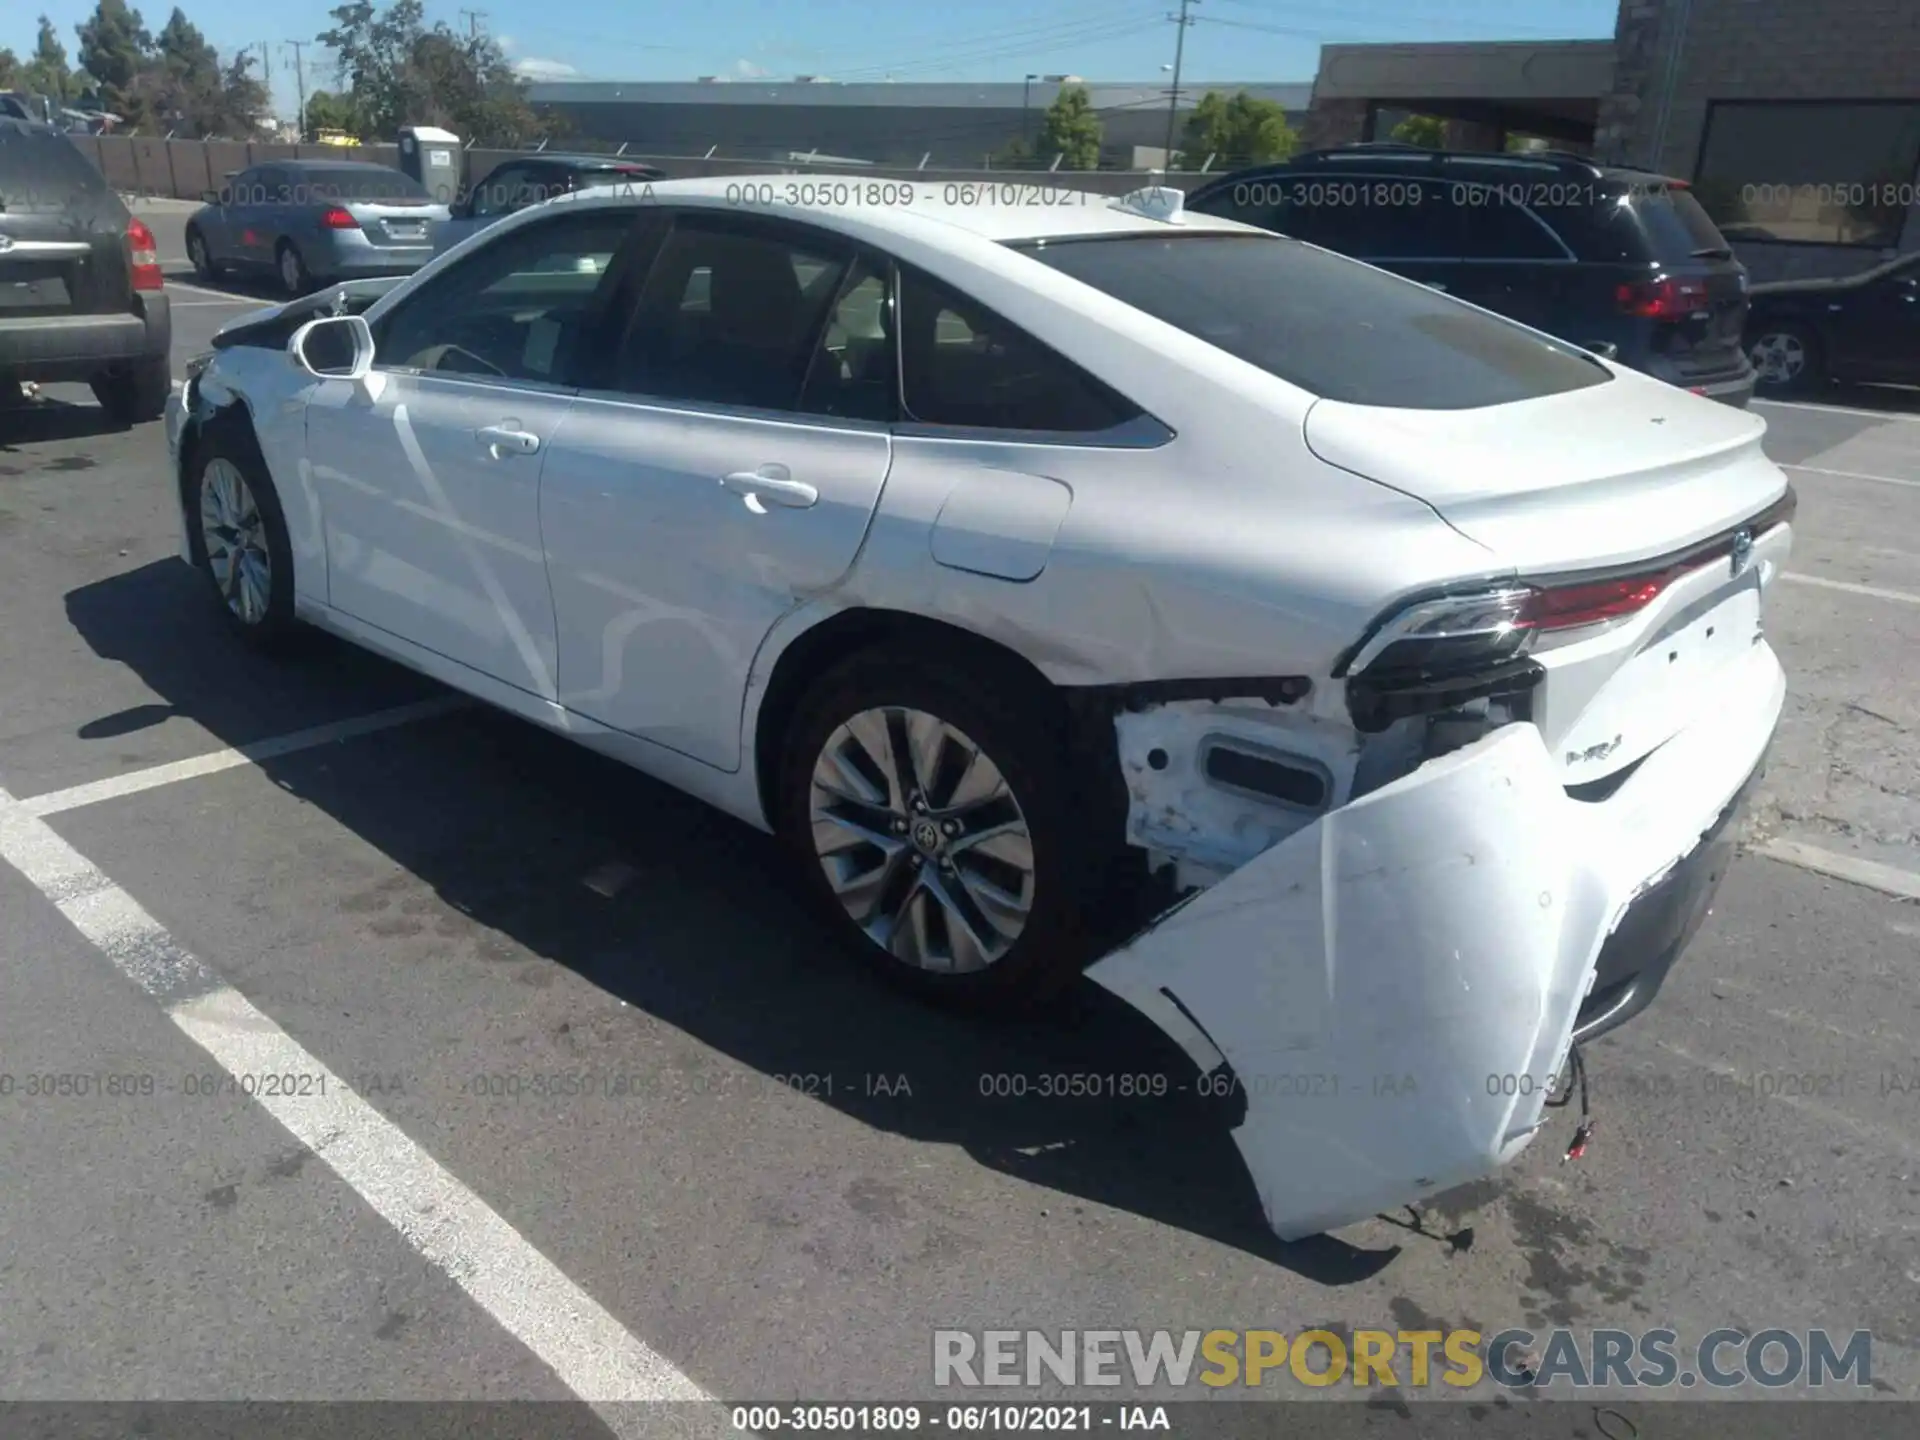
(309, 222)
(1803, 334)
(513, 185)
(990, 554)
(1622, 261)
(81, 294)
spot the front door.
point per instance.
(430, 487)
(721, 471)
(1877, 336)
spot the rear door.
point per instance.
(1876, 330)
(258, 195)
(63, 232)
(720, 471)
(1510, 261)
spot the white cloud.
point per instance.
(505, 42)
(534, 68)
(747, 70)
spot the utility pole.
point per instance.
(300, 83)
(474, 17)
(1183, 20)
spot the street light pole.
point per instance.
(1026, 111)
(1183, 20)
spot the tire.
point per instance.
(1008, 719)
(134, 393)
(292, 269)
(257, 606)
(205, 267)
(1787, 359)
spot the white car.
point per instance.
(1002, 556)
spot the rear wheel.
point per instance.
(134, 393)
(294, 278)
(930, 815)
(204, 266)
(237, 535)
(1786, 359)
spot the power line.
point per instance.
(474, 17)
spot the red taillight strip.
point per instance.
(1575, 601)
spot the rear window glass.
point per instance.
(1335, 327)
(365, 185)
(1676, 223)
(41, 170)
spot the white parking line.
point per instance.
(134, 781)
(1852, 475)
(593, 1355)
(173, 284)
(1839, 410)
(1888, 879)
(214, 304)
(1872, 591)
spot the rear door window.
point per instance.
(1491, 226)
(41, 170)
(963, 365)
(1337, 329)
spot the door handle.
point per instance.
(772, 484)
(507, 439)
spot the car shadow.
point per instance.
(264, 287)
(699, 928)
(42, 421)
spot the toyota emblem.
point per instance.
(1742, 551)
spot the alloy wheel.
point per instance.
(236, 540)
(922, 840)
(290, 270)
(1779, 356)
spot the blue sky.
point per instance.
(1271, 40)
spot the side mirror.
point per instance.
(1605, 349)
(210, 197)
(336, 347)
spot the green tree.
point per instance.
(1071, 130)
(1016, 154)
(48, 73)
(399, 71)
(1238, 132)
(328, 111)
(115, 48)
(1427, 130)
(12, 72)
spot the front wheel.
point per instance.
(932, 820)
(238, 537)
(201, 258)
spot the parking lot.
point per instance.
(623, 1126)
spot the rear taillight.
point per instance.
(338, 219)
(1667, 299)
(1569, 607)
(144, 256)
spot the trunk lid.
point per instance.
(1632, 477)
(63, 233)
(398, 220)
(1582, 480)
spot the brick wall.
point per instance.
(1753, 50)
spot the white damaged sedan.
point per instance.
(1056, 570)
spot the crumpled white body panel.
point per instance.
(1442, 929)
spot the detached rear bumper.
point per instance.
(1396, 987)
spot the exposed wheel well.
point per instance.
(231, 424)
(854, 631)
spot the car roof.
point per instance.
(1002, 212)
(551, 157)
(1399, 159)
(327, 165)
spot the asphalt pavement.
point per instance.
(581, 1015)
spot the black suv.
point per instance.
(1623, 262)
(80, 286)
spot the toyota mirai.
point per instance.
(1363, 686)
